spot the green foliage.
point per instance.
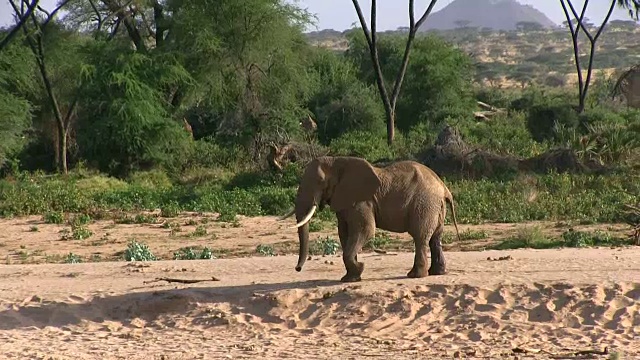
(190, 253)
(342, 102)
(80, 232)
(370, 146)
(125, 116)
(137, 251)
(526, 237)
(17, 83)
(504, 134)
(380, 241)
(437, 83)
(473, 235)
(265, 250)
(324, 246)
(544, 120)
(72, 258)
(534, 238)
(573, 238)
(199, 231)
(53, 217)
(547, 197)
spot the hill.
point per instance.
(514, 58)
(492, 14)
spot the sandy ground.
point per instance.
(547, 303)
(559, 301)
(29, 240)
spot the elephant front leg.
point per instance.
(438, 264)
(352, 247)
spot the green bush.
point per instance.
(544, 121)
(503, 134)
(137, 251)
(370, 146)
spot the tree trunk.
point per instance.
(63, 150)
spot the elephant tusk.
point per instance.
(306, 218)
(287, 215)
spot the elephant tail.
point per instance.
(449, 199)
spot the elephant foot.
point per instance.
(354, 274)
(351, 278)
(437, 270)
(417, 273)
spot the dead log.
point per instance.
(450, 155)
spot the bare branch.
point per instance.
(53, 13)
(413, 29)
(22, 19)
(426, 14)
(371, 37)
(363, 23)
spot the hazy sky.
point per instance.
(340, 14)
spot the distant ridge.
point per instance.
(494, 14)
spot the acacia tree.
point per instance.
(580, 22)
(34, 34)
(390, 102)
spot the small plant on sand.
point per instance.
(80, 232)
(33, 228)
(199, 231)
(229, 217)
(525, 237)
(324, 246)
(80, 219)
(380, 241)
(473, 235)
(72, 258)
(137, 251)
(265, 250)
(631, 216)
(315, 226)
(145, 219)
(170, 210)
(53, 217)
(189, 253)
(573, 238)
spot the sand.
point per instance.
(544, 301)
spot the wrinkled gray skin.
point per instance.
(403, 197)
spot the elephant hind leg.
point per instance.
(419, 268)
(438, 264)
(430, 235)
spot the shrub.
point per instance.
(370, 146)
(544, 121)
(137, 251)
(150, 179)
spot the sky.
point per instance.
(340, 14)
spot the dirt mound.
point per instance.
(450, 155)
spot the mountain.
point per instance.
(495, 14)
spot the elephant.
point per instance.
(404, 196)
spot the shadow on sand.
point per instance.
(151, 305)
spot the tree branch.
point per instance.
(593, 49)
(128, 22)
(373, 51)
(574, 39)
(18, 26)
(413, 29)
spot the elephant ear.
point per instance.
(358, 181)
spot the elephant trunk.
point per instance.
(303, 216)
(303, 234)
